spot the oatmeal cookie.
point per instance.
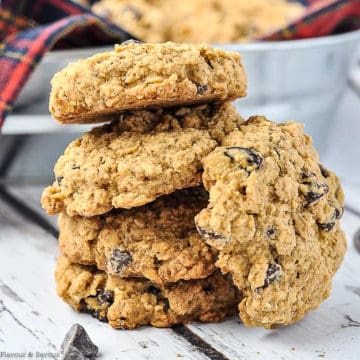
(111, 167)
(228, 21)
(157, 241)
(130, 303)
(141, 75)
(142, 18)
(274, 216)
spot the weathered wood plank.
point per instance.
(29, 305)
(30, 195)
(332, 331)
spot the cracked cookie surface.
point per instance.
(274, 216)
(158, 241)
(112, 167)
(130, 303)
(141, 75)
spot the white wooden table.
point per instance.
(33, 319)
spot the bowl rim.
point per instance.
(328, 40)
(256, 46)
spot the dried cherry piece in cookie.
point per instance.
(313, 191)
(247, 159)
(78, 343)
(119, 259)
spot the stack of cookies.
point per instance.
(177, 209)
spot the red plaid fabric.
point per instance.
(323, 17)
(30, 28)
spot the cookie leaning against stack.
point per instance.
(128, 191)
(142, 242)
(273, 215)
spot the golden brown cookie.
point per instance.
(141, 75)
(157, 241)
(111, 167)
(274, 216)
(142, 18)
(210, 21)
(130, 303)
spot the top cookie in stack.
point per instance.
(128, 191)
(142, 75)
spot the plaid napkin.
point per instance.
(30, 28)
(323, 17)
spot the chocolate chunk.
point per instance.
(273, 273)
(331, 223)
(210, 235)
(201, 89)
(270, 232)
(119, 260)
(339, 213)
(97, 314)
(157, 261)
(324, 171)
(59, 179)
(153, 290)
(105, 296)
(326, 226)
(305, 175)
(316, 190)
(132, 41)
(77, 342)
(75, 167)
(208, 288)
(207, 60)
(357, 241)
(72, 353)
(247, 159)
